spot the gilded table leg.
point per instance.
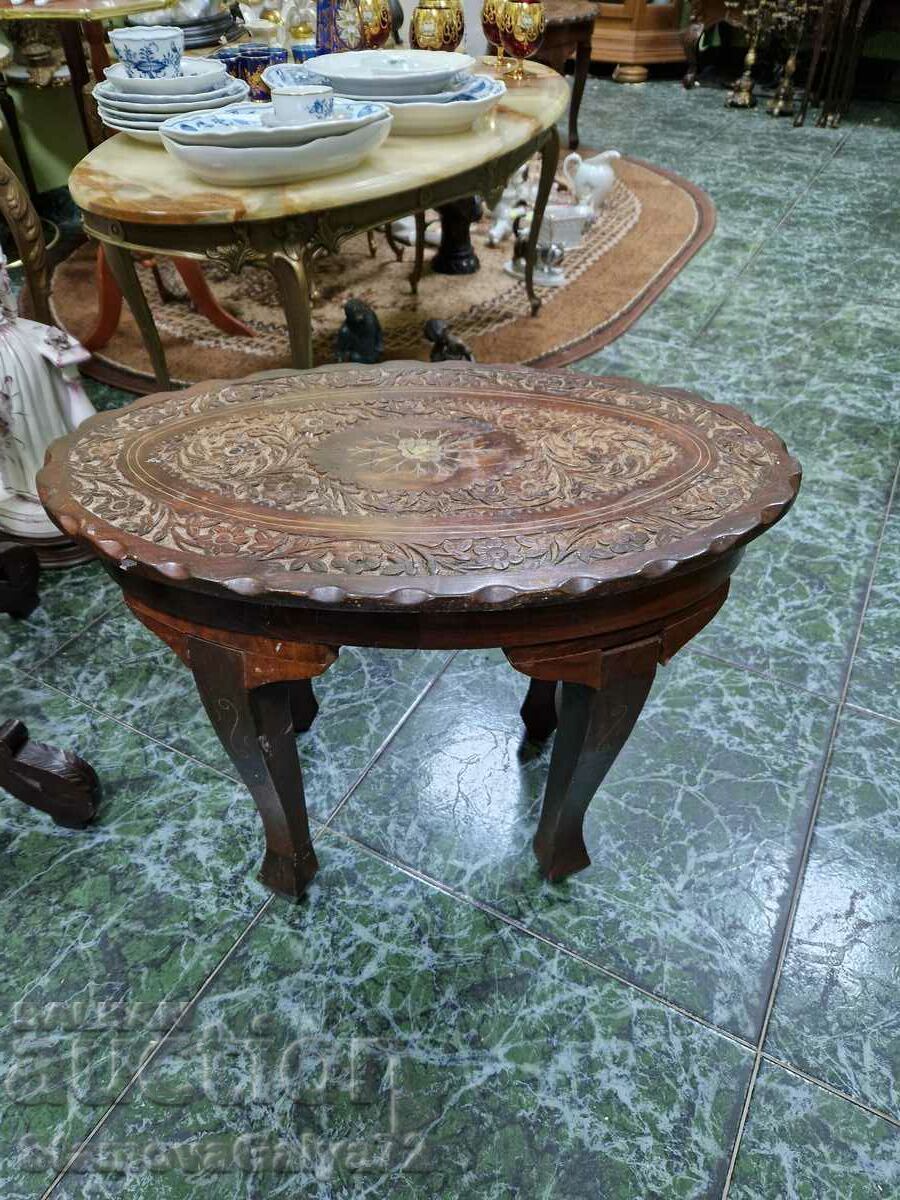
(419, 260)
(539, 710)
(289, 270)
(256, 727)
(582, 67)
(549, 163)
(121, 264)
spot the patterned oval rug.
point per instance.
(651, 225)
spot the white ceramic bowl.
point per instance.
(260, 166)
(243, 125)
(374, 73)
(197, 75)
(149, 51)
(123, 102)
(423, 119)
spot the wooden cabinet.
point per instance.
(634, 34)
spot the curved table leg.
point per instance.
(549, 163)
(304, 705)
(122, 266)
(539, 710)
(293, 282)
(600, 697)
(109, 311)
(256, 728)
(419, 260)
(582, 67)
(205, 302)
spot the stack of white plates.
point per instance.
(427, 92)
(245, 146)
(139, 106)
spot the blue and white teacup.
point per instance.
(297, 103)
(149, 51)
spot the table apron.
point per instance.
(237, 244)
(619, 618)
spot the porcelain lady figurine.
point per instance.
(591, 179)
(41, 399)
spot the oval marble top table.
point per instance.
(136, 197)
(587, 527)
(126, 180)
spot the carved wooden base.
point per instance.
(257, 692)
(53, 553)
(57, 782)
(630, 73)
(19, 571)
(456, 254)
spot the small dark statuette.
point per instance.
(19, 571)
(446, 346)
(359, 339)
(396, 20)
(57, 782)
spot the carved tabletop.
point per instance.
(586, 526)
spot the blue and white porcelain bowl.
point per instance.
(169, 106)
(379, 73)
(260, 166)
(425, 118)
(255, 125)
(149, 51)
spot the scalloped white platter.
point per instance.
(261, 166)
(197, 75)
(234, 91)
(423, 119)
(244, 125)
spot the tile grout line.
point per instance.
(386, 743)
(505, 919)
(65, 643)
(154, 1053)
(778, 680)
(771, 232)
(797, 888)
(825, 1086)
(252, 923)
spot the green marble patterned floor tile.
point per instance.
(131, 913)
(797, 597)
(70, 601)
(127, 672)
(875, 680)
(103, 397)
(803, 1143)
(836, 1014)
(694, 835)
(387, 1040)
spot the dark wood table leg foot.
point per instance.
(256, 727)
(304, 705)
(53, 781)
(601, 696)
(539, 710)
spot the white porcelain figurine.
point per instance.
(41, 399)
(591, 179)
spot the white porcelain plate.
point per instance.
(259, 166)
(254, 125)
(454, 116)
(232, 92)
(197, 75)
(374, 73)
(139, 133)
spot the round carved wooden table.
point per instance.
(588, 527)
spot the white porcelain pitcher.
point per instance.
(590, 179)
